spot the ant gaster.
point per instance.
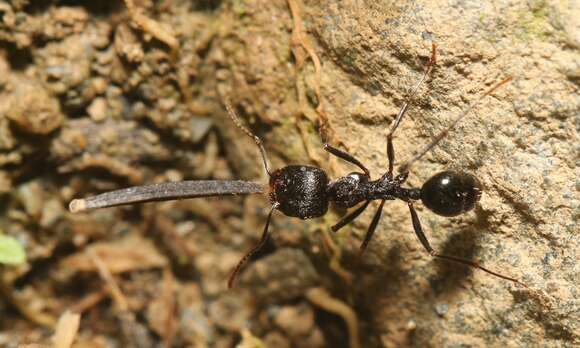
(305, 191)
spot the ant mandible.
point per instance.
(305, 191)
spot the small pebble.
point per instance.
(33, 109)
(295, 320)
(441, 309)
(98, 109)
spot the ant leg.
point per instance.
(405, 166)
(350, 217)
(252, 251)
(346, 156)
(390, 148)
(421, 235)
(372, 228)
(233, 115)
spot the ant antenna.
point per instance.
(257, 140)
(410, 96)
(255, 248)
(404, 168)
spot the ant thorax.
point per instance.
(350, 190)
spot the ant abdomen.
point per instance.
(300, 191)
(451, 193)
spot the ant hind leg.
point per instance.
(421, 235)
(403, 110)
(404, 168)
(390, 149)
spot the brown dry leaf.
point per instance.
(161, 310)
(66, 330)
(130, 253)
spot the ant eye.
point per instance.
(451, 193)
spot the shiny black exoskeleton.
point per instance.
(300, 191)
(451, 193)
(348, 191)
(306, 192)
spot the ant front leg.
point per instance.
(421, 235)
(347, 157)
(255, 249)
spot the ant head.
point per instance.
(300, 191)
(451, 193)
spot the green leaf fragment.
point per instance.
(11, 251)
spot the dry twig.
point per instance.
(322, 299)
(66, 330)
(301, 46)
(153, 28)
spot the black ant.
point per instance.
(305, 191)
